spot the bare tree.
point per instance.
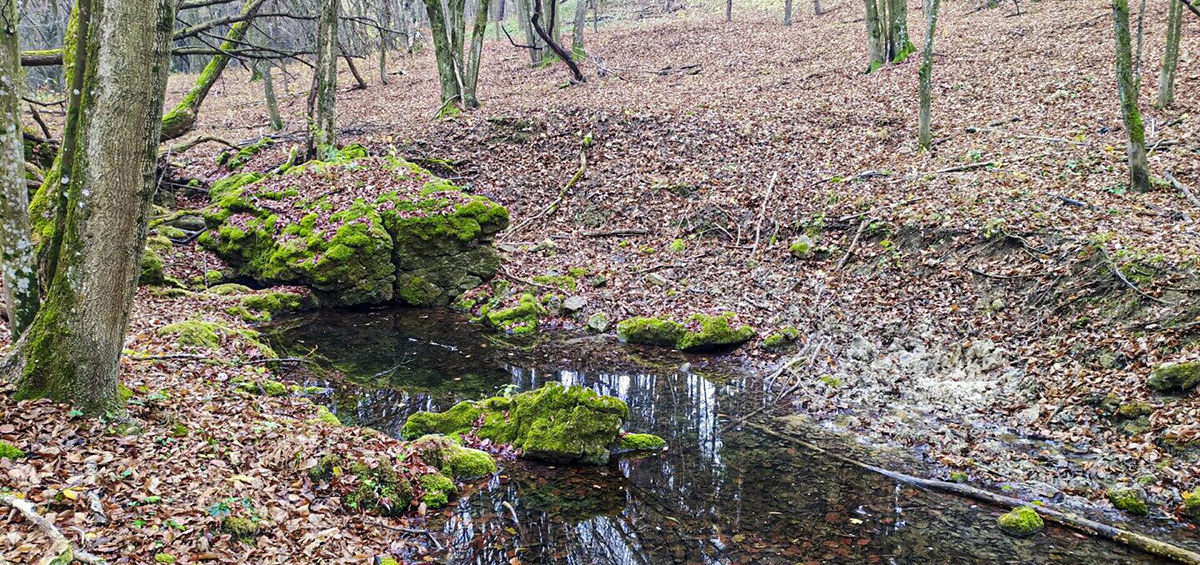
(887, 32)
(787, 12)
(577, 30)
(321, 128)
(931, 15)
(1139, 174)
(1166, 77)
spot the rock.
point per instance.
(802, 248)
(657, 279)
(554, 305)
(1129, 499)
(1191, 505)
(703, 332)
(455, 461)
(650, 331)
(575, 303)
(598, 322)
(546, 245)
(1175, 376)
(422, 243)
(782, 338)
(229, 289)
(555, 424)
(598, 281)
(861, 349)
(1021, 522)
(523, 318)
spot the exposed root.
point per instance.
(61, 549)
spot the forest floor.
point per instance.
(989, 304)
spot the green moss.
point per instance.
(454, 460)
(802, 247)
(714, 333)
(229, 289)
(240, 527)
(1135, 409)
(239, 159)
(438, 489)
(650, 331)
(327, 467)
(677, 246)
(195, 333)
(1175, 376)
(270, 304)
(553, 423)
(275, 388)
(414, 289)
(388, 561)
(642, 442)
(10, 451)
(1131, 500)
(520, 319)
(164, 558)
(782, 338)
(563, 282)
(326, 417)
(1191, 505)
(151, 269)
(380, 489)
(958, 477)
(1021, 521)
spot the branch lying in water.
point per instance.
(1075, 522)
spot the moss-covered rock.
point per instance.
(203, 334)
(1129, 499)
(229, 289)
(782, 338)
(802, 248)
(263, 306)
(556, 424)
(234, 161)
(455, 461)
(10, 451)
(1135, 409)
(701, 333)
(151, 269)
(1021, 521)
(1175, 377)
(423, 244)
(1191, 505)
(650, 331)
(241, 527)
(520, 319)
(438, 489)
(380, 488)
(640, 443)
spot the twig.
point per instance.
(511, 511)
(850, 250)
(618, 232)
(553, 207)
(60, 547)
(1182, 188)
(1112, 267)
(444, 105)
(504, 273)
(762, 210)
(1063, 518)
(183, 147)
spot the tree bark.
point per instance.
(1166, 77)
(447, 73)
(931, 14)
(899, 44)
(877, 50)
(385, 19)
(72, 351)
(555, 47)
(182, 119)
(728, 10)
(787, 12)
(360, 84)
(22, 293)
(471, 74)
(577, 30)
(816, 7)
(596, 16)
(1139, 174)
(321, 132)
(263, 68)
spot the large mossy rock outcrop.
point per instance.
(356, 230)
(1175, 377)
(699, 333)
(555, 424)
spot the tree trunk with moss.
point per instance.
(182, 119)
(1139, 174)
(263, 70)
(577, 30)
(475, 56)
(924, 138)
(899, 44)
(876, 46)
(21, 289)
(72, 350)
(443, 51)
(1166, 77)
(321, 132)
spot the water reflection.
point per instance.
(716, 497)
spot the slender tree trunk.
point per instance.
(596, 16)
(728, 10)
(56, 33)
(321, 129)
(72, 350)
(577, 30)
(182, 119)
(1166, 77)
(471, 74)
(899, 45)
(787, 12)
(531, 38)
(447, 74)
(924, 138)
(22, 293)
(263, 68)
(816, 7)
(555, 47)
(1139, 174)
(385, 18)
(360, 84)
(1141, 36)
(877, 50)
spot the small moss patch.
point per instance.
(782, 338)
(1131, 500)
(642, 442)
(10, 451)
(520, 319)
(1175, 377)
(241, 527)
(1022, 521)
(1191, 505)
(455, 461)
(438, 490)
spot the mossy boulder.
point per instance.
(641, 444)
(229, 289)
(454, 460)
(321, 225)
(262, 306)
(438, 489)
(379, 488)
(782, 338)
(555, 424)
(1021, 521)
(236, 160)
(700, 333)
(204, 334)
(520, 319)
(1191, 505)
(1175, 377)
(1129, 499)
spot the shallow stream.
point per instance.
(718, 496)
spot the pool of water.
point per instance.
(719, 495)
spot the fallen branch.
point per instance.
(183, 147)
(850, 250)
(553, 207)
(1182, 188)
(1112, 267)
(1049, 512)
(762, 210)
(504, 273)
(618, 232)
(61, 549)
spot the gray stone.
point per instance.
(575, 303)
(598, 322)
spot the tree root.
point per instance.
(1061, 517)
(61, 551)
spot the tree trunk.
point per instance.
(931, 14)
(728, 10)
(321, 132)
(555, 47)
(577, 30)
(816, 7)
(1139, 175)
(72, 351)
(523, 14)
(21, 290)
(875, 41)
(447, 75)
(385, 19)
(182, 119)
(263, 68)
(360, 84)
(787, 12)
(1166, 77)
(899, 45)
(471, 74)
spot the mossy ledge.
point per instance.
(422, 242)
(699, 333)
(554, 424)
